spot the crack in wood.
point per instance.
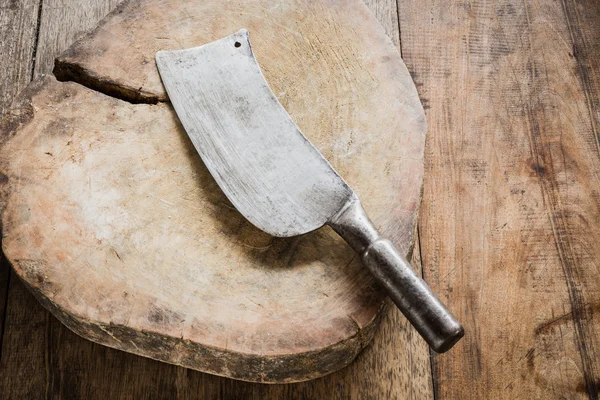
(69, 72)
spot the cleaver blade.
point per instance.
(275, 177)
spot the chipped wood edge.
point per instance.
(283, 368)
(66, 69)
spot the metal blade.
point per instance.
(266, 167)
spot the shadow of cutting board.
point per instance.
(113, 222)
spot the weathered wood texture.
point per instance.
(446, 46)
(20, 51)
(510, 227)
(23, 54)
(18, 30)
(417, 364)
(61, 23)
(386, 12)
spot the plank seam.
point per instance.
(431, 353)
(399, 30)
(37, 39)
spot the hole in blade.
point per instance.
(237, 44)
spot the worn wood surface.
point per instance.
(61, 23)
(18, 30)
(445, 45)
(383, 83)
(510, 222)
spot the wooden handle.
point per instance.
(408, 291)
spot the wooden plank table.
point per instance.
(509, 231)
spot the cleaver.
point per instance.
(276, 178)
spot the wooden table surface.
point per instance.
(509, 233)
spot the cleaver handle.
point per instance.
(408, 291)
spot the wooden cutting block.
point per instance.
(114, 223)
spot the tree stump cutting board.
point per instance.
(114, 223)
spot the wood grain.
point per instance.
(425, 352)
(18, 21)
(18, 30)
(450, 59)
(386, 12)
(509, 225)
(61, 23)
(61, 364)
(24, 56)
(84, 369)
